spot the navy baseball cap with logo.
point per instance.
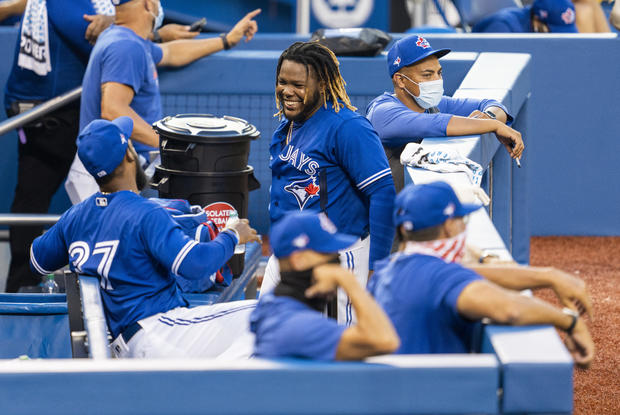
(426, 205)
(558, 15)
(409, 50)
(299, 231)
(102, 144)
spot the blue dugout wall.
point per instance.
(572, 144)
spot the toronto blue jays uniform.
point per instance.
(334, 163)
(557, 15)
(397, 125)
(135, 248)
(285, 327)
(508, 20)
(419, 294)
(120, 56)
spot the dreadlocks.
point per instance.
(325, 65)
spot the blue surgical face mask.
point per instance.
(431, 92)
(159, 18)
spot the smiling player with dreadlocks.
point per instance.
(327, 158)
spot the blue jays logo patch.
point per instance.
(303, 190)
(423, 43)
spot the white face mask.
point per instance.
(431, 92)
(159, 18)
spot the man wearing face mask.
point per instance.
(121, 77)
(136, 249)
(434, 302)
(418, 108)
(289, 322)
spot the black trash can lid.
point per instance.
(185, 126)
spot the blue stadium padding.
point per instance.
(537, 371)
(520, 190)
(459, 384)
(35, 325)
(272, 41)
(472, 11)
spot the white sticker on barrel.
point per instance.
(219, 212)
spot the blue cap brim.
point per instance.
(335, 243)
(562, 28)
(125, 124)
(438, 53)
(466, 209)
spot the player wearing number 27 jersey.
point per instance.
(135, 248)
(132, 254)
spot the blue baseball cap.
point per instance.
(102, 144)
(299, 231)
(426, 205)
(558, 15)
(409, 50)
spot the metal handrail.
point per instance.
(39, 111)
(27, 219)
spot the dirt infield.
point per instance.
(597, 261)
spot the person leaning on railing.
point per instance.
(434, 301)
(418, 108)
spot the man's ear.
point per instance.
(130, 155)
(148, 4)
(397, 81)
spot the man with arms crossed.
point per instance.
(326, 158)
(434, 302)
(121, 77)
(289, 321)
(132, 244)
(418, 108)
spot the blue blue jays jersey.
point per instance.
(419, 294)
(285, 327)
(397, 125)
(331, 164)
(132, 244)
(121, 56)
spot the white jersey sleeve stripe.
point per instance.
(181, 256)
(36, 265)
(198, 232)
(373, 178)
